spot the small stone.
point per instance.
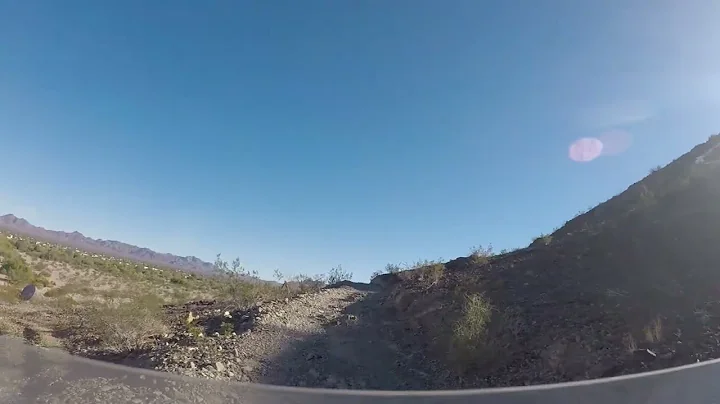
(220, 366)
(192, 365)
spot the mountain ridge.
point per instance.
(14, 224)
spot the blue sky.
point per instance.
(304, 134)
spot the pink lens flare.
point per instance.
(585, 150)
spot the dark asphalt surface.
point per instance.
(37, 375)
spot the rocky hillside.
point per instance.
(632, 285)
(16, 225)
(629, 286)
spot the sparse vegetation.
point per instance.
(543, 239)
(235, 278)
(116, 326)
(630, 344)
(481, 255)
(389, 269)
(433, 273)
(226, 328)
(338, 274)
(15, 267)
(469, 340)
(654, 331)
(392, 268)
(557, 314)
(8, 327)
(9, 294)
(70, 288)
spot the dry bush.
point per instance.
(337, 275)
(116, 326)
(543, 239)
(654, 331)
(389, 269)
(8, 327)
(9, 294)
(433, 273)
(302, 283)
(392, 268)
(481, 255)
(630, 344)
(470, 346)
(70, 288)
(429, 272)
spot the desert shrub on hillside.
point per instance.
(14, 266)
(469, 344)
(654, 331)
(243, 287)
(392, 268)
(480, 255)
(432, 274)
(9, 294)
(543, 239)
(338, 274)
(302, 283)
(389, 269)
(236, 285)
(116, 326)
(70, 288)
(117, 267)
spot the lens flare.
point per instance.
(585, 150)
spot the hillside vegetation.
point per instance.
(630, 285)
(98, 305)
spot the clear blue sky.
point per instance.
(304, 134)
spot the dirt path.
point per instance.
(336, 338)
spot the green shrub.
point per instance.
(470, 345)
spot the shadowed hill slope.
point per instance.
(629, 286)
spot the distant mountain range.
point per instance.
(20, 226)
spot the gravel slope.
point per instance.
(336, 338)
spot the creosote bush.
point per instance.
(338, 274)
(116, 326)
(469, 345)
(481, 255)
